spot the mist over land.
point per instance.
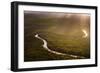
(67, 33)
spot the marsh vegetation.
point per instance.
(63, 33)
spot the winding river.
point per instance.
(45, 46)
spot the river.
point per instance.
(45, 46)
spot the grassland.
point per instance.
(59, 37)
